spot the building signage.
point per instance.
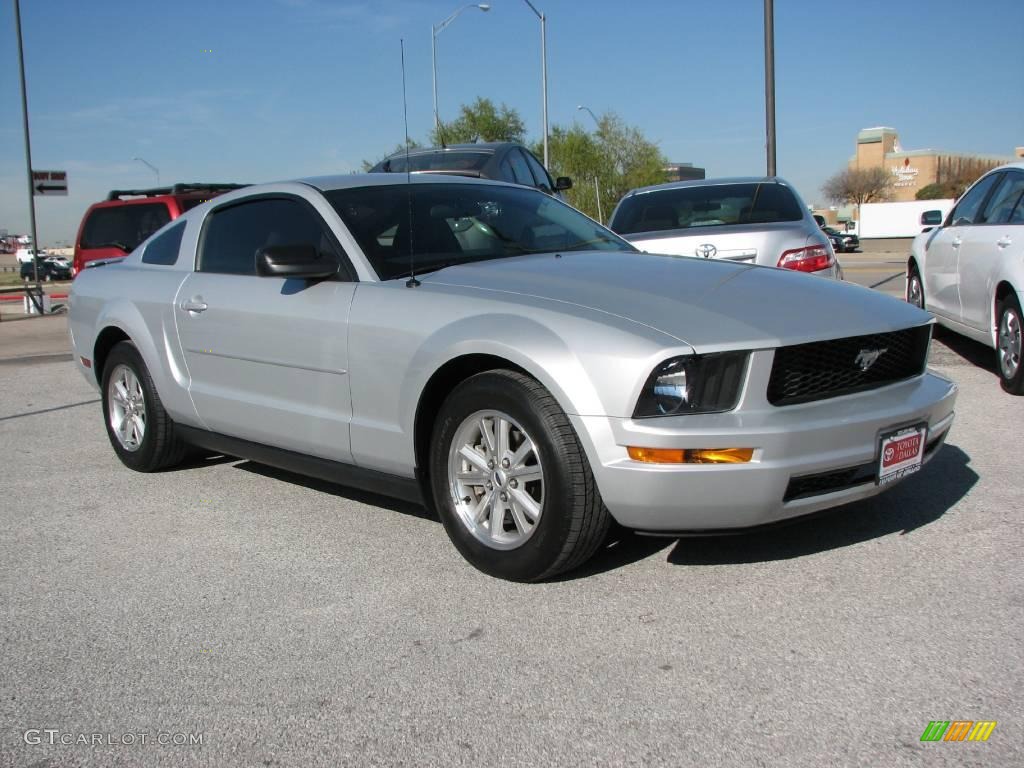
(905, 175)
(50, 183)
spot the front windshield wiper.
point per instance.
(583, 244)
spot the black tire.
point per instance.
(1009, 311)
(913, 274)
(160, 446)
(573, 521)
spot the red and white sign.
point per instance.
(902, 454)
(50, 183)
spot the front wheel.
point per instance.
(1008, 346)
(511, 482)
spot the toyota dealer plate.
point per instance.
(901, 453)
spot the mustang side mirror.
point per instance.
(931, 218)
(301, 260)
(563, 183)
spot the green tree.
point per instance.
(939, 191)
(481, 121)
(617, 155)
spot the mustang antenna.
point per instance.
(412, 282)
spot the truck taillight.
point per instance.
(813, 258)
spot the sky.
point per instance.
(260, 90)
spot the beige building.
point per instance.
(917, 168)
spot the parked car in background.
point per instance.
(50, 268)
(502, 161)
(843, 242)
(114, 227)
(490, 348)
(969, 271)
(748, 220)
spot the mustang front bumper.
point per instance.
(806, 457)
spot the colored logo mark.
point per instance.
(958, 730)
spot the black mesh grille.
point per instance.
(824, 369)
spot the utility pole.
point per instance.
(769, 82)
(28, 145)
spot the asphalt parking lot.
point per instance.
(288, 622)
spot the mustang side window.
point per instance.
(235, 234)
(164, 249)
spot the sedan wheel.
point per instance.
(915, 291)
(1009, 346)
(510, 480)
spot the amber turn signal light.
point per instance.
(690, 455)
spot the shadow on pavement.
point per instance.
(969, 350)
(341, 491)
(913, 504)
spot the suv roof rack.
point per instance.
(177, 189)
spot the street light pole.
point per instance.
(28, 146)
(435, 30)
(151, 167)
(543, 75)
(769, 82)
(597, 186)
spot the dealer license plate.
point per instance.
(901, 453)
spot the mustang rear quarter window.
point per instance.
(164, 249)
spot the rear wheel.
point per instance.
(511, 482)
(1008, 346)
(915, 288)
(140, 430)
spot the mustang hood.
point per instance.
(710, 305)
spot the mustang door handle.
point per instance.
(193, 305)
(956, 242)
(1003, 241)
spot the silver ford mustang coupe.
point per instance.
(490, 351)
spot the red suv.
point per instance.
(116, 226)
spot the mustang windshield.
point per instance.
(438, 225)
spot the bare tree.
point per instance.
(871, 185)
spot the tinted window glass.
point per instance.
(1005, 201)
(520, 170)
(164, 249)
(460, 223)
(123, 226)
(714, 205)
(233, 235)
(966, 211)
(437, 161)
(539, 174)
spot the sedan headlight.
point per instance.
(693, 384)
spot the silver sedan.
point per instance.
(751, 220)
(489, 351)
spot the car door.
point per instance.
(941, 278)
(268, 356)
(992, 240)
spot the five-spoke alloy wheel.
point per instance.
(510, 480)
(139, 428)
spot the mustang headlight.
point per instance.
(693, 384)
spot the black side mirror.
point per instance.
(563, 183)
(301, 260)
(931, 218)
